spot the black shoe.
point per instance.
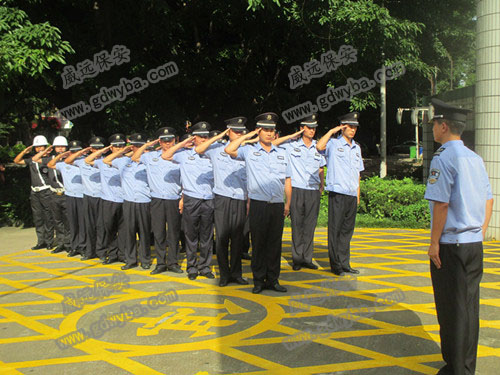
(339, 273)
(296, 267)
(246, 256)
(351, 270)
(85, 257)
(192, 276)
(73, 253)
(58, 249)
(311, 266)
(158, 269)
(39, 246)
(145, 266)
(103, 260)
(257, 289)
(175, 268)
(240, 280)
(128, 266)
(110, 260)
(208, 275)
(49, 246)
(277, 287)
(223, 282)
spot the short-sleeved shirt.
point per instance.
(72, 179)
(111, 182)
(197, 176)
(344, 163)
(54, 176)
(134, 180)
(458, 177)
(266, 172)
(230, 175)
(39, 173)
(164, 176)
(91, 178)
(305, 164)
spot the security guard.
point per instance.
(91, 178)
(230, 190)
(461, 203)
(136, 204)
(268, 174)
(57, 199)
(40, 194)
(111, 202)
(164, 179)
(197, 180)
(307, 186)
(344, 163)
(73, 192)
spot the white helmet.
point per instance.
(40, 140)
(60, 141)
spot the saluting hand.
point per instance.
(28, 149)
(297, 135)
(338, 128)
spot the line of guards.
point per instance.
(98, 198)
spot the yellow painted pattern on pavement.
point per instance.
(383, 320)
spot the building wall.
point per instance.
(487, 100)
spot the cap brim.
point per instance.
(309, 124)
(200, 133)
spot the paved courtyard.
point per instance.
(60, 315)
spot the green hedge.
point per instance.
(386, 203)
(398, 200)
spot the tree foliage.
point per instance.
(233, 57)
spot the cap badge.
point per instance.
(269, 117)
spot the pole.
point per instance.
(383, 125)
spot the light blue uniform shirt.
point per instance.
(458, 177)
(230, 175)
(72, 179)
(344, 162)
(164, 176)
(111, 182)
(197, 176)
(305, 163)
(91, 178)
(266, 172)
(134, 180)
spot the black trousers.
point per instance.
(42, 216)
(114, 227)
(198, 222)
(94, 226)
(61, 223)
(137, 218)
(246, 236)
(165, 212)
(266, 228)
(456, 293)
(304, 210)
(74, 210)
(229, 216)
(341, 220)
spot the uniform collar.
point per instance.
(300, 142)
(259, 147)
(345, 143)
(455, 142)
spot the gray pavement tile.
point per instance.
(309, 354)
(391, 344)
(90, 367)
(13, 329)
